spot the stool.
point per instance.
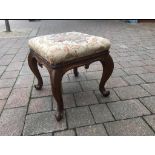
(62, 52)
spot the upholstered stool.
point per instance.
(62, 52)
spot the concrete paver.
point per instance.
(80, 116)
(127, 109)
(94, 130)
(42, 123)
(129, 127)
(101, 113)
(65, 133)
(149, 102)
(12, 121)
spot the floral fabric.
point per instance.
(57, 48)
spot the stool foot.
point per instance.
(38, 87)
(59, 116)
(105, 93)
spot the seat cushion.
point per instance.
(58, 48)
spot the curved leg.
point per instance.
(108, 67)
(76, 73)
(34, 68)
(56, 77)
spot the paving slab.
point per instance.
(85, 98)
(93, 130)
(10, 75)
(149, 102)
(149, 87)
(40, 105)
(65, 133)
(80, 116)
(127, 109)
(4, 83)
(93, 75)
(81, 77)
(2, 68)
(129, 127)
(89, 85)
(131, 92)
(14, 66)
(149, 77)
(2, 103)
(19, 57)
(150, 68)
(4, 93)
(116, 82)
(42, 123)
(12, 121)
(71, 87)
(117, 66)
(6, 59)
(118, 73)
(24, 81)
(45, 134)
(101, 113)
(149, 62)
(18, 98)
(151, 121)
(95, 67)
(12, 51)
(138, 63)
(45, 91)
(25, 70)
(133, 80)
(135, 70)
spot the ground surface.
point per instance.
(130, 109)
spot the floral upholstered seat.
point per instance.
(63, 47)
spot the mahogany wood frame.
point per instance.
(57, 71)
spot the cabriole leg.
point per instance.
(108, 67)
(56, 78)
(34, 68)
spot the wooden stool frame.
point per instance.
(57, 71)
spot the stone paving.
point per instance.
(129, 110)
